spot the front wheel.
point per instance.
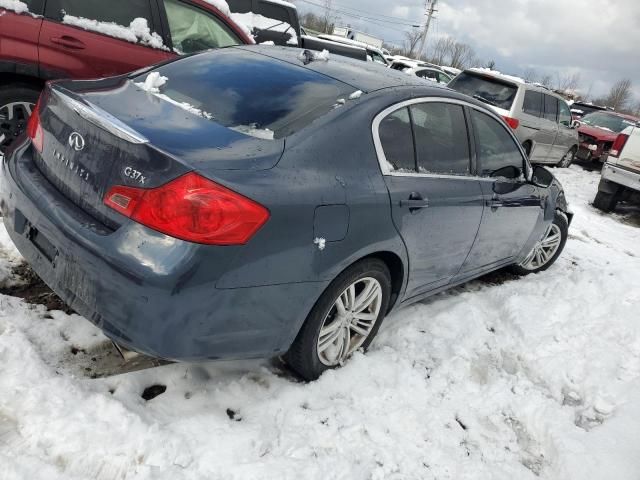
(345, 319)
(568, 158)
(547, 250)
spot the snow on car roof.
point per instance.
(496, 73)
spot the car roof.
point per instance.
(365, 76)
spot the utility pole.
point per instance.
(430, 9)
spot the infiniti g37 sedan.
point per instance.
(259, 201)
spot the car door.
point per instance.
(549, 130)
(193, 29)
(19, 34)
(436, 203)
(513, 207)
(534, 125)
(567, 135)
(95, 38)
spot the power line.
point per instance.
(363, 17)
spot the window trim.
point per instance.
(474, 175)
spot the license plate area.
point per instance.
(42, 243)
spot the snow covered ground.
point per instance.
(501, 379)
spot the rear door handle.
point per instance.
(415, 202)
(68, 42)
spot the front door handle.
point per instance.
(415, 202)
(68, 42)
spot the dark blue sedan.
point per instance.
(262, 201)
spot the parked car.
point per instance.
(540, 119)
(374, 54)
(452, 71)
(239, 225)
(580, 109)
(621, 171)
(351, 34)
(72, 39)
(429, 73)
(598, 131)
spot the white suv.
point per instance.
(621, 171)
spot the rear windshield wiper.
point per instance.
(485, 100)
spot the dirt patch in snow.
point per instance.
(33, 290)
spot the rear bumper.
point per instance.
(621, 176)
(146, 291)
(591, 151)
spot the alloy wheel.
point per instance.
(350, 321)
(568, 158)
(544, 250)
(13, 121)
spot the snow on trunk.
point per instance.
(137, 32)
(155, 81)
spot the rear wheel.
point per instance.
(568, 158)
(16, 104)
(605, 201)
(345, 319)
(547, 250)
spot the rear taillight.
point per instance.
(514, 123)
(191, 208)
(34, 128)
(618, 145)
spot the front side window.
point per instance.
(193, 30)
(551, 108)
(397, 141)
(120, 12)
(533, 103)
(564, 114)
(442, 145)
(497, 150)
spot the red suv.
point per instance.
(47, 39)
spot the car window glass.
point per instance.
(493, 91)
(442, 78)
(442, 145)
(35, 6)
(427, 74)
(532, 103)
(397, 141)
(496, 148)
(551, 108)
(564, 115)
(120, 12)
(193, 30)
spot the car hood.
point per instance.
(599, 133)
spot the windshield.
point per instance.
(248, 92)
(606, 121)
(488, 90)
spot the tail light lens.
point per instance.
(191, 208)
(34, 128)
(514, 123)
(618, 145)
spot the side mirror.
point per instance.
(510, 172)
(541, 177)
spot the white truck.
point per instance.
(362, 37)
(621, 171)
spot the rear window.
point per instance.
(489, 90)
(251, 93)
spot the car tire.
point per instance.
(605, 201)
(568, 158)
(546, 251)
(15, 96)
(308, 355)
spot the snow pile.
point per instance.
(537, 377)
(137, 32)
(155, 81)
(14, 5)
(355, 95)
(221, 5)
(308, 56)
(251, 21)
(496, 73)
(321, 243)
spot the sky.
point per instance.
(600, 40)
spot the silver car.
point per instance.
(540, 118)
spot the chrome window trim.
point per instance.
(382, 159)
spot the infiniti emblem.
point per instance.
(76, 141)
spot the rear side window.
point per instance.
(397, 141)
(249, 92)
(496, 148)
(533, 103)
(194, 30)
(121, 12)
(492, 91)
(442, 145)
(551, 108)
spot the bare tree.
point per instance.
(546, 80)
(620, 95)
(411, 40)
(530, 75)
(327, 17)
(440, 50)
(491, 64)
(636, 109)
(447, 51)
(567, 81)
(461, 55)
